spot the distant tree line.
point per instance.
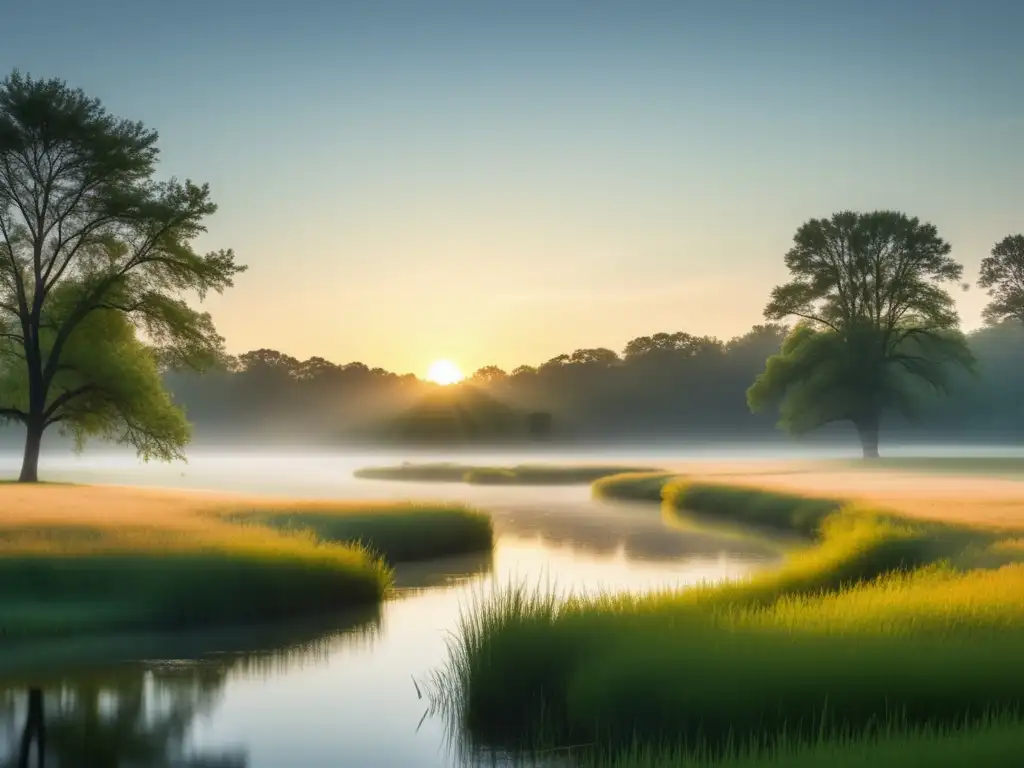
(666, 386)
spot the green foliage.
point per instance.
(109, 383)
(820, 376)
(85, 230)
(868, 288)
(1002, 274)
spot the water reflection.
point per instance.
(131, 718)
(635, 529)
(96, 702)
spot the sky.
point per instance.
(498, 183)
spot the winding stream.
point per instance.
(336, 691)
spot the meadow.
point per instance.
(891, 626)
(519, 474)
(75, 559)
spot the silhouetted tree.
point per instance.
(868, 288)
(1002, 273)
(489, 374)
(89, 242)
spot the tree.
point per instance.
(875, 321)
(87, 234)
(598, 356)
(489, 374)
(1002, 273)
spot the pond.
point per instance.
(337, 691)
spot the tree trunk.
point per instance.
(867, 429)
(35, 730)
(30, 461)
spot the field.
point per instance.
(520, 474)
(898, 622)
(79, 558)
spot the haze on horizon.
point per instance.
(498, 185)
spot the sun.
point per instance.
(444, 372)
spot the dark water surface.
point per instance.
(340, 690)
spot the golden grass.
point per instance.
(77, 558)
(966, 499)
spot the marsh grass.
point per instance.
(874, 619)
(88, 559)
(398, 532)
(520, 474)
(632, 486)
(994, 740)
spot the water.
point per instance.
(336, 691)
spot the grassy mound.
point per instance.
(632, 486)
(870, 622)
(398, 532)
(520, 474)
(82, 559)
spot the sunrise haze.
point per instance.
(414, 181)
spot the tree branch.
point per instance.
(13, 413)
(66, 397)
(814, 318)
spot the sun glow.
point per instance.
(444, 372)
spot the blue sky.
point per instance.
(501, 182)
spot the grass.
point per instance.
(520, 474)
(992, 741)
(88, 559)
(989, 466)
(398, 532)
(877, 617)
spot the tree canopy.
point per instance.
(96, 268)
(1002, 274)
(869, 291)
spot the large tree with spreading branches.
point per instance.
(96, 269)
(875, 323)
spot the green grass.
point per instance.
(520, 474)
(70, 594)
(873, 620)
(632, 486)
(398, 532)
(90, 559)
(992, 741)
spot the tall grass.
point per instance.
(994, 740)
(398, 532)
(76, 560)
(70, 590)
(520, 474)
(870, 622)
